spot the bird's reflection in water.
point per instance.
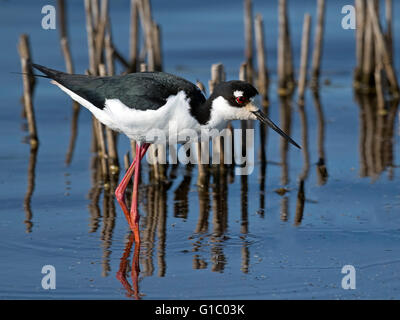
(132, 290)
(212, 195)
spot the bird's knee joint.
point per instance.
(119, 195)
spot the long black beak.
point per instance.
(264, 119)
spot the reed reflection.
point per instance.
(322, 171)
(244, 224)
(94, 194)
(306, 165)
(181, 193)
(30, 189)
(219, 196)
(377, 127)
(107, 231)
(74, 133)
(286, 119)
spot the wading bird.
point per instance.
(136, 103)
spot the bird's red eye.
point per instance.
(240, 99)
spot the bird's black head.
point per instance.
(236, 93)
(233, 100)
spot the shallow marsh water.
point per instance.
(237, 239)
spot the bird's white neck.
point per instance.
(222, 112)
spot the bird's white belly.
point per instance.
(170, 123)
(152, 126)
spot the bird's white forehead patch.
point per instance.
(238, 93)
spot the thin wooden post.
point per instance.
(145, 15)
(100, 32)
(318, 43)
(261, 60)
(381, 43)
(201, 146)
(360, 36)
(156, 36)
(304, 57)
(90, 37)
(285, 57)
(248, 34)
(62, 18)
(25, 54)
(134, 36)
(368, 61)
(389, 28)
(217, 75)
(243, 76)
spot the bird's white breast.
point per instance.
(173, 116)
(143, 125)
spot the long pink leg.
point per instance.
(140, 150)
(120, 191)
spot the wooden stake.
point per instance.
(202, 175)
(100, 32)
(134, 36)
(304, 57)
(243, 76)
(26, 69)
(217, 75)
(145, 15)
(318, 41)
(156, 36)
(368, 60)
(248, 34)
(389, 28)
(90, 37)
(360, 35)
(285, 57)
(381, 43)
(261, 60)
(62, 18)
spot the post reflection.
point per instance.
(377, 127)
(322, 171)
(209, 241)
(74, 133)
(306, 165)
(154, 227)
(286, 120)
(219, 195)
(30, 189)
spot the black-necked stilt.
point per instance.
(137, 103)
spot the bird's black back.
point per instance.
(142, 91)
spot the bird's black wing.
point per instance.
(142, 91)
